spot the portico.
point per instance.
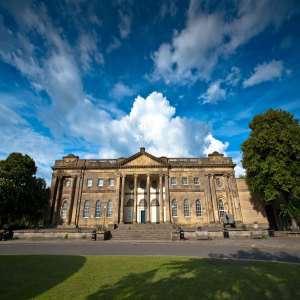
(144, 198)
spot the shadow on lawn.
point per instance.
(256, 254)
(32, 275)
(208, 279)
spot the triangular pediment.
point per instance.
(142, 159)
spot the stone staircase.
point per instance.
(143, 232)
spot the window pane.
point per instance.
(186, 208)
(64, 210)
(100, 182)
(174, 208)
(184, 180)
(196, 180)
(198, 208)
(86, 209)
(111, 182)
(90, 182)
(109, 209)
(221, 209)
(98, 209)
(173, 180)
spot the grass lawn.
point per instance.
(130, 277)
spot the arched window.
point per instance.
(154, 202)
(221, 209)
(174, 208)
(86, 209)
(186, 208)
(109, 209)
(129, 203)
(198, 208)
(64, 210)
(98, 209)
(143, 203)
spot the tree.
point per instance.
(271, 157)
(23, 197)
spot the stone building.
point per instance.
(147, 189)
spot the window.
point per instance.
(184, 180)
(174, 208)
(89, 182)
(100, 181)
(173, 180)
(186, 208)
(198, 208)
(196, 180)
(109, 209)
(64, 210)
(98, 209)
(111, 182)
(86, 209)
(221, 209)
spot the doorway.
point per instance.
(143, 217)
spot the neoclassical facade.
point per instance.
(147, 189)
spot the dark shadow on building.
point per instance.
(33, 275)
(207, 279)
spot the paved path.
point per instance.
(281, 249)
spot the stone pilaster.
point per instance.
(167, 197)
(53, 191)
(228, 195)
(57, 200)
(209, 201)
(214, 198)
(161, 199)
(76, 199)
(72, 198)
(117, 202)
(148, 199)
(135, 204)
(122, 199)
(235, 196)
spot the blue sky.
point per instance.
(182, 78)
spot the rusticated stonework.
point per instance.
(144, 188)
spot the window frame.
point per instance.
(111, 180)
(171, 180)
(196, 182)
(182, 180)
(86, 209)
(174, 207)
(64, 210)
(198, 207)
(186, 208)
(90, 179)
(221, 209)
(99, 180)
(109, 209)
(98, 209)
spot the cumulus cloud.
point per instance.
(265, 72)
(212, 144)
(121, 90)
(214, 93)
(207, 36)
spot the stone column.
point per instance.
(122, 199)
(57, 200)
(214, 198)
(167, 197)
(72, 199)
(135, 204)
(161, 199)
(229, 196)
(208, 200)
(117, 202)
(148, 200)
(76, 200)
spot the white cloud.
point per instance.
(18, 136)
(212, 144)
(125, 24)
(265, 72)
(120, 90)
(195, 50)
(214, 93)
(237, 158)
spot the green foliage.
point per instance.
(23, 197)
(271, 157)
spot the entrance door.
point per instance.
(143, 216)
